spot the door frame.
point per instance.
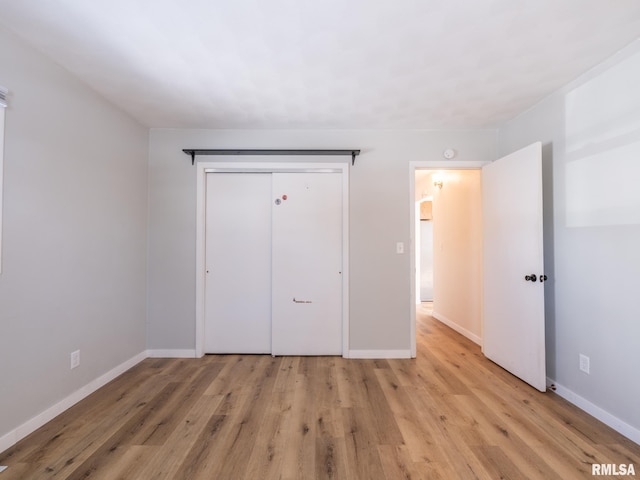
(202, 168)
(424, 165)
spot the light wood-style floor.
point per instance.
(448, 414)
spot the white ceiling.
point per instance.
(325, 63)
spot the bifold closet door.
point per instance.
(307, 262)
(238, 263)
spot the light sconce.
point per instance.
(437, 181)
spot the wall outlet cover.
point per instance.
(75, 359)
(584, 363)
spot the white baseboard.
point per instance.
(605, 417)
(168, 353)
(30, 426)
(461, 330)
(379, 354)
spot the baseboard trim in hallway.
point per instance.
(461, 330)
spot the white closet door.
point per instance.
(238, 263)
(307, 263)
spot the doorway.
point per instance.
(454, 191)
(512, 303)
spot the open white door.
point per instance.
(513, 317)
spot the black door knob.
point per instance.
(531, 278)
(543, 278)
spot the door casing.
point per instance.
(202, 168)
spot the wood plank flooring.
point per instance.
(448, 414)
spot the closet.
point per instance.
(273, 263)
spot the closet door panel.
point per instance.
(238, 263)
(307, 263)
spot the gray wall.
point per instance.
(379, 217)
(591, 147)
(74, 236)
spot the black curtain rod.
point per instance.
(194, 151)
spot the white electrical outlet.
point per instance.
(75, 359)
(584, 363)
(400, 247)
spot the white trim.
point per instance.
(201, 191)
(201, 202)
(454, 326)
(17, 434)
(172, 353)
(605, 417)
(345, 261)
(413, 166)
(2, 123)
(373, 354)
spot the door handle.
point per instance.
(531, 278)
(543, 278)
(301, 301)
